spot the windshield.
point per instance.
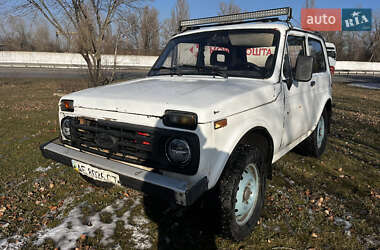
(241, 53)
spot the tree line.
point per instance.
(96, 27)
(91, 28)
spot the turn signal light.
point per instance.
(67, 105)
(332, 70)
(220, 124)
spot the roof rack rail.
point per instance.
(261, 15)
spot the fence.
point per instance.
(70, 60)
(357, 68)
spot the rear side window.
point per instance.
(331, 53)
(316, 51)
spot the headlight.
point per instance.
(65, 127)
(180, 119)
(178, 151)
(67, 105)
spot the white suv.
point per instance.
(226, 99)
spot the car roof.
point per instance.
(254, 25)
(282, 27)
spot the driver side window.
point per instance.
(296, 48)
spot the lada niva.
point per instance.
(228, 97)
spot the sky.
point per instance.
(205, 8)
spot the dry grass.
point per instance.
(307, 205)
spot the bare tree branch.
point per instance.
(228, 8)
(89, 20)
(170, 26)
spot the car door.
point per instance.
(320, 80)
(298, 110)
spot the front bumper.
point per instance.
(168, 188)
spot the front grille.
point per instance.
(130, 143)
(113, 140)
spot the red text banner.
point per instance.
(321, 19)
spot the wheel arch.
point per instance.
(328, 107)
(261, 137)
(257, 135)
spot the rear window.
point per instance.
(316, 51)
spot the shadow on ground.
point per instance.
(194, 227)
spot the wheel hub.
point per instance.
(247, 194)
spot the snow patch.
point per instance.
(14, 242)
(346, 225)
(41, 169)
(139, 234)
(66, 234)
(69, 231)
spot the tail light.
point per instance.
(332, 70)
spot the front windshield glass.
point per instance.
(241, 53)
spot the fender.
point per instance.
(230, 144)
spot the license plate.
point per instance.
(95, 173)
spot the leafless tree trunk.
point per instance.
(149, 33)
(90, 19)
(118, 36)
(170, 26)
(142, 31)
(374, 38)
(228, 8)
(130, 25)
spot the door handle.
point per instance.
(312, 83)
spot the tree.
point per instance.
(170, 26)
(16, 35)
(228, 8)
(130, 25)
(142, 31)
(374, 39)
(41, 39)
(149, 31)
(88, 20)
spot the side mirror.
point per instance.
(304, 68)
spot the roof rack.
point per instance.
(261, 15)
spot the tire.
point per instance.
(315, 144)
(241, 191)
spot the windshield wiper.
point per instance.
(173, 70)
(220, 71)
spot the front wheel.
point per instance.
(241, 193)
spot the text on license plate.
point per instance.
(95, 173)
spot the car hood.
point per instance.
(210, 98)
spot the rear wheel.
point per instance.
(241, 193)
(315, 144)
